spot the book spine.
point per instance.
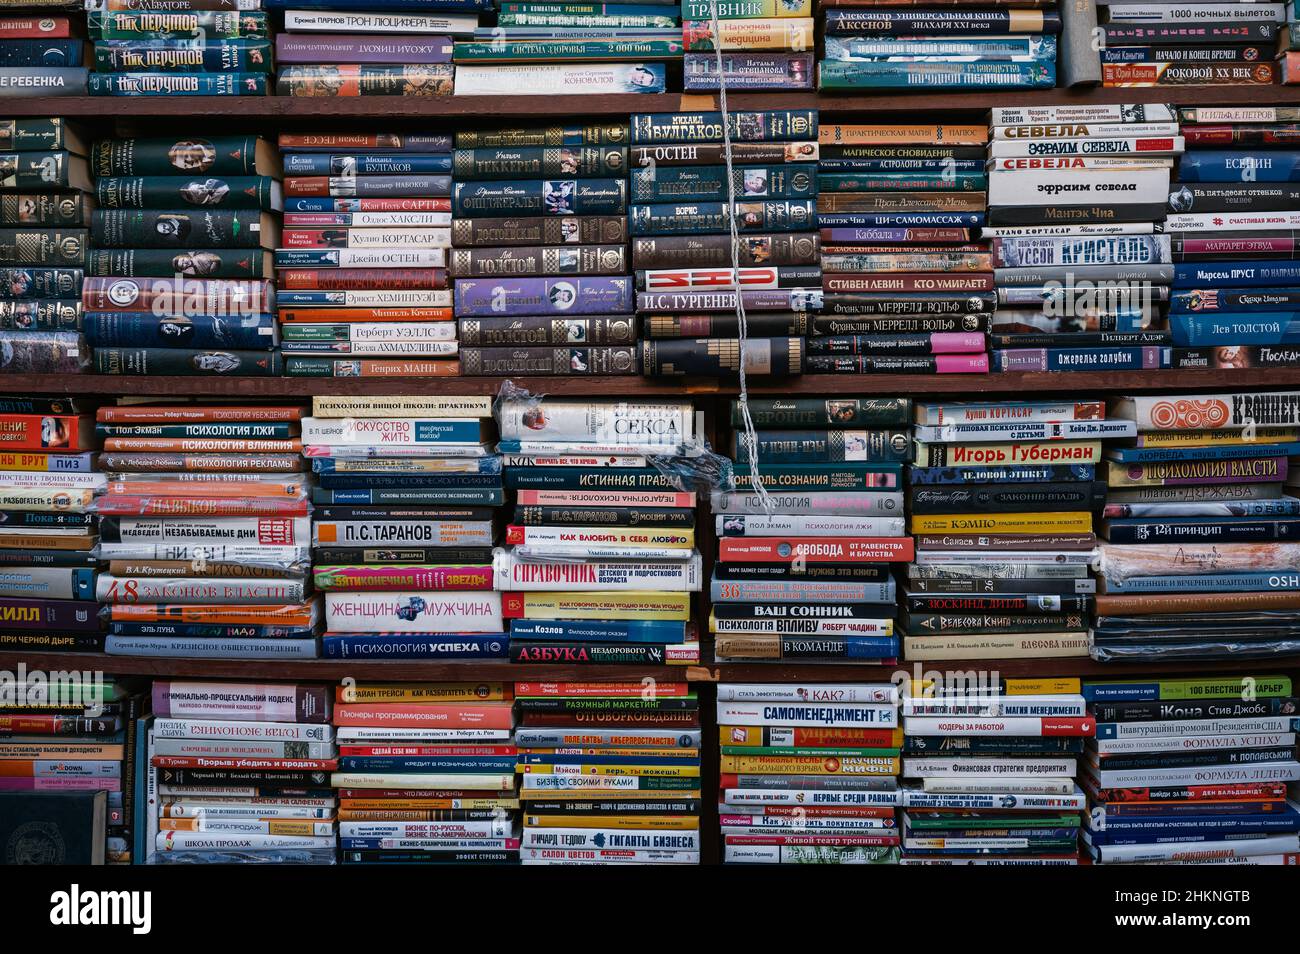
(177, 84)
(160, 263)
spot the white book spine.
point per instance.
(438, 533)
(220, 553)
(656, 537)
(805, 627)
(563, 856)
(552, 79)
(169, 841)
(1073, 800)
(414, 332)
(813, 692)
(242, 808)
(570, 838)
(381, 733)
(620, 422)
(513, 574)
(1191, 727)
(427, 612)
(1200, 411)
(376, 257)
(1265, 740)
(776, 796)
(1070, 163)
(1099, 130)
(1198, 12)
(204, 748)
(1229, 221)
(209, 590)
(987, 768)
(873, 715)
(965, 725)
(1119, 146)
(489, 828)
(1044, 231)
(399, 238)
(474, 781)
(1090, 113)
(251, 826)
(1062, 705)
(1005, 785)
(330, 22)
(1199, 775)
(269, 531)
(1036, 188)
(1024, 431)
(31, 479)
(818, 502)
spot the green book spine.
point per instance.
(218, 156)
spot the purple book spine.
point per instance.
(301, 48)
(542, 296)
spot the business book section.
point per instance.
(1040, 238)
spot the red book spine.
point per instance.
(35, 28)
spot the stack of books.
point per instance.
(1002, 499)
(540, 231)
(48, 528)
(41, 55)
(1008, 45)
(43, 219)
(1233, 215)
(180, 52)
(379, 48)
(194, 242)
(610, 773)
(404, 527)
(1075, 195)
(1192, 770)
(426, 773)
(896, 207)
(364, 255)
(1162, 43)
(765, 44)
(602, 560)
(990, 773)
(808, 577)
(205, 524)
(682, 248)
(1197, 561)
(64, 745)
(236, 772)
(562, 48)
(808, 774)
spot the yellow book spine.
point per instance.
(808, 765)
(1042, 687)
(651, 822)
(639, 771)
(633, 604)
(1074, 522)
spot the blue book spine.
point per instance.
(617, 631)
(1203, 300)
(69, 463)
(1273, 581)
(1142, 358)
(1135, 455)
(43, 53)
(1223, 165)
(483, 465)
(392, 164)
(873, 219)
(114, 329)
(1236, 274)
(995, 475)
(1262, 327)
(177, 84)
(407, 481)
(402, 646)
(375, 763)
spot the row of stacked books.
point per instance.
(404, 525)
(601, 564)
(362, 262)
(542, 282)
(67, 762)
(44, 219)
(906, 284)
(977, 45)
(683, 217)
(808, 534)
(40, 54)
(236, 773)
(204, 525)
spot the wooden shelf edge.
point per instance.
(1010, 383)
(515, 107)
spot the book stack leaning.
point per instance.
(205, 524)
(404, 529)
(805, 573)
(426, 773)
(602, 562)
(236, 773)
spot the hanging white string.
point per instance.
(742, 323)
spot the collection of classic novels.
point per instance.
(683, 219)
(186, 49)
(906, 284)
(426, 773)
(1233, 215)
(404, 525)
(1192, 771)
(41, 55)
(178, 279)
(1164, 43)
(237, 773)
(48, 530)
(1198, 560)
(204, 524)
(1001, 499)
(875, 44)
(540, 268)
(609, 772)
(1077, 205)
(67, 759)
(44, 214)
(362, 267)
(807, 537)
(377, 48)
(601, 566)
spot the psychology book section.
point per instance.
(810, 531)
(67, 757)
(404, 525)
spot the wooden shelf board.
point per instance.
(912, 384)
(494, 108)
